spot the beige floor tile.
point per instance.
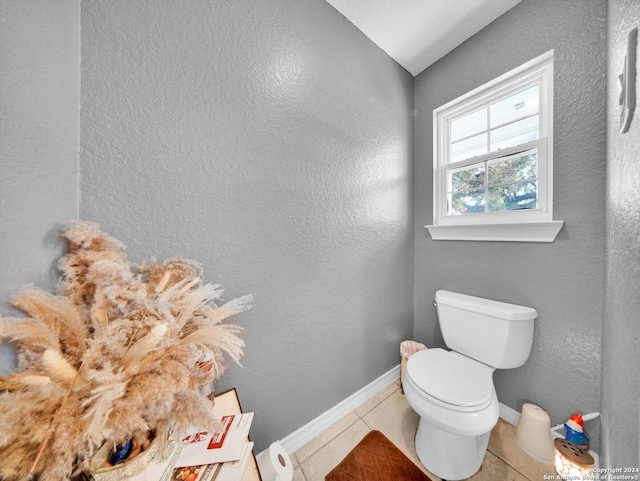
(503, 444)
(398, 422)
(306, 451)
(493, 468)
(389, 412)
(377, 399)
(329, 456)
(298, 475)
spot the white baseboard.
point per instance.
(313, 428)
(509, 414)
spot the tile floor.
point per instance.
(389, 412)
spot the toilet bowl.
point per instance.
(453, 391)
(458, 414)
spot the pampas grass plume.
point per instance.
(122, 351)
(163, 282)
(33, 380)
(233, 307)
(21, 381)
(58, 368)
(144, 346)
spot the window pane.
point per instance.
(471, 202)
(517, 133)
(514, 197)
(512, 170)
(465, 149)
(470, 124)
(468, 178)
(520, 105)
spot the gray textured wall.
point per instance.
(562, 280)
(271, 141)
(39, 112)
(621, 330)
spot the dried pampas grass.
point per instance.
(58, 368)
(121, 351)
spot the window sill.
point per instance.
(516, 232)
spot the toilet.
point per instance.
(452, 390)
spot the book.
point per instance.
(229, 471)
(202, 448)
(234, 470)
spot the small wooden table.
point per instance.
(227, 402)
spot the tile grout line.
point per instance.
(304, 475)
(506, 461)
(383, 400)
(329, 440)
(317, 451)
(358, 418)
(361, 417)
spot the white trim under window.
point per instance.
(493, 160)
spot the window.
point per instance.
(493, 159)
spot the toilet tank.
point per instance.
(492, 332)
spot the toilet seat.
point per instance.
(451, 380)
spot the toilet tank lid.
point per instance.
(502, 310)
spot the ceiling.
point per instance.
(416, 33)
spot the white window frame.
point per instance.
(528, 225)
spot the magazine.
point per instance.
(202, 447)
(229, 471)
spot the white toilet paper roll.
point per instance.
(275, 464)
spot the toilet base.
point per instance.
(450, 456)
